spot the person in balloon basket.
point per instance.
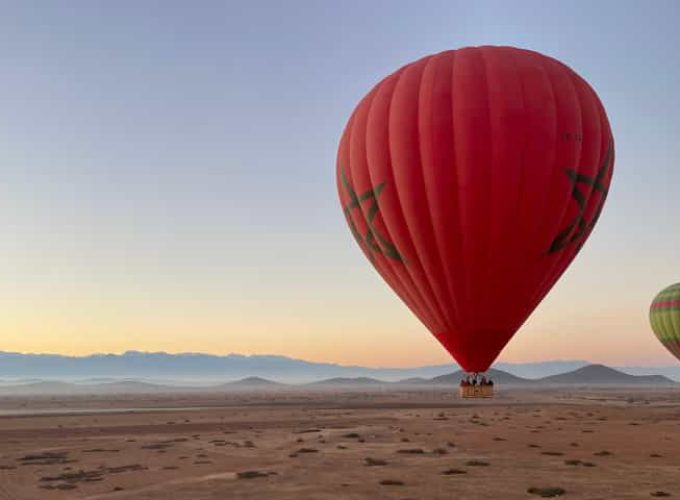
(468, 387)
(464, 387)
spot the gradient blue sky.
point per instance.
(167, 174)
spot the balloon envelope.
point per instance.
(471, 179)
(664, 315)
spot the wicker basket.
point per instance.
(476, 391)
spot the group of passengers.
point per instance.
(476, 380)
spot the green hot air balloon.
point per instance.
(664, 315)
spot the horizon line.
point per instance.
(220, 355)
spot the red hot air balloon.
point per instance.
(471, 179)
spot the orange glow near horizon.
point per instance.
(355, 340)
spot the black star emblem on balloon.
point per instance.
(579, 228)
(373, 240)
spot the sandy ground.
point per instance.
(353, 445)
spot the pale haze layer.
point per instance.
(167, 175)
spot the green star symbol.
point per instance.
(580, 227)
(373, 240)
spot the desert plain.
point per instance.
(422, 444)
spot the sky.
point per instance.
(167, 175)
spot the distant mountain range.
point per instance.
(192, 366)
(197, 368)
(586, 376)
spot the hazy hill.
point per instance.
(348, 381)
(36, 388)
(251, 383)
(414, 381)
(20, 381)
(539, 369)
(126, 387)
(65, 388)
(603, 375)
(98, 380)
